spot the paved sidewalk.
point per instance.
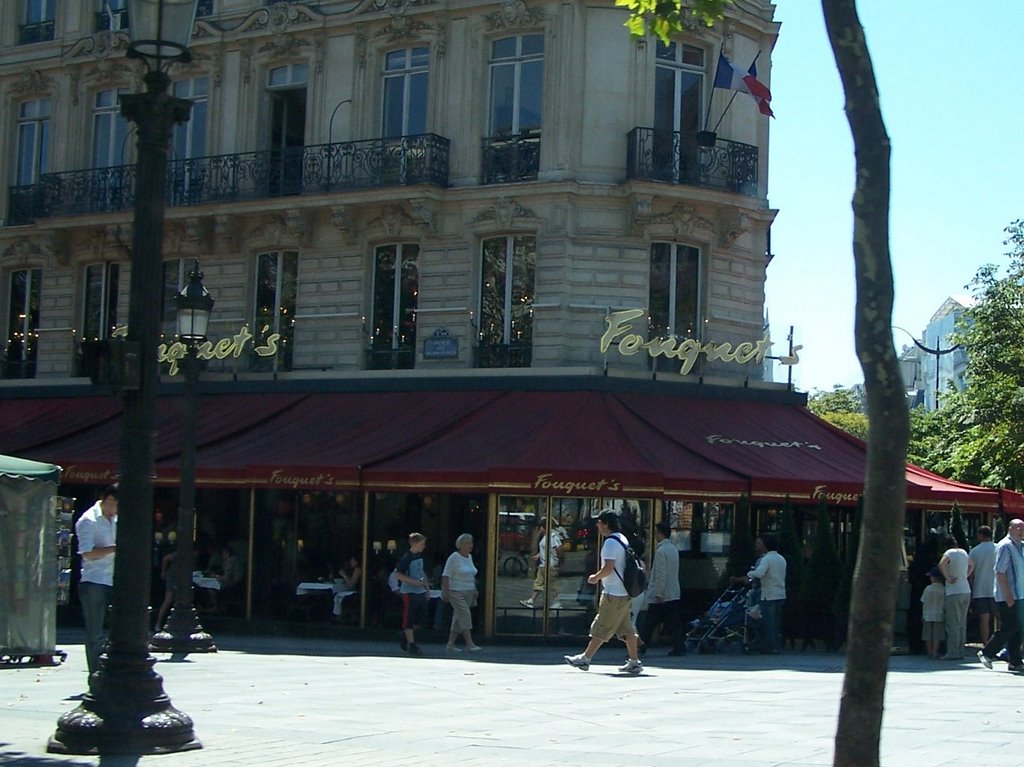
(279, 702)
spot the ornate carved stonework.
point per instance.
(392, 219)
(32, 82)
(503, 212)
(403, 29)
(102, 45)
(514, 14)
(279, 18)
(362, 43)
(395, 7)
(284, 45)
(187, 237)
(225, 234)
(289, 228)
(22, 248)
(424, 213)
(683, 220)
(731, 224)
(344, 222)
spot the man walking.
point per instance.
(770, 570)
(96, 531)
(983, 555)
(663, 592)
(1009, 589)
(613, 611)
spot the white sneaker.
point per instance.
(555, 606)
(526, 603)
(632, 667)
(581, 661)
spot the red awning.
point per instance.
(91, 454)
(561, 443)
(595, 443)
(325, 440)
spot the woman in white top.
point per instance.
(458, 588)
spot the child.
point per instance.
(933, 602)
(414, 589)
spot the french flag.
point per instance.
(728, 78)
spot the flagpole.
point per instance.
(711, 97)
(724, 111)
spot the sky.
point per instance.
(954, 112)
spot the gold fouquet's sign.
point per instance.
(686, 350)
(213, 350)
(569, 486)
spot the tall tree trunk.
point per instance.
(875, 586)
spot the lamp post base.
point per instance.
(124, 712)
(182, 634)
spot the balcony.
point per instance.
(692, 159)
(112, 21)
(352, 165)
(511, 158)
(38, 32)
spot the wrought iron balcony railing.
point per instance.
(114, 20)
(39, 32)
(517, 355)
(511, 158)
(695, 159)
(402, 358)
(404, 161)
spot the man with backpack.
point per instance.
(613, 611)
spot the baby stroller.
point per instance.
(725, 627)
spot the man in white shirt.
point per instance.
(96, 531)
(983, 555)
(614, 610)
(770, 570)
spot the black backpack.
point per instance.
(635, 576)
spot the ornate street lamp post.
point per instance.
(126, 710)
(183, 633)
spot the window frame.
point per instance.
(109, 284)
(23, 320)
(516, 61)
(390, 339)
(657, 327)
(414, 80)
(287, 260)
(37, 125)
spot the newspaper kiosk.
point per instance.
(34, 531)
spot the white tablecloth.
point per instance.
(312, 587)
(205, 582)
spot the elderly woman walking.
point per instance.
(458, 588)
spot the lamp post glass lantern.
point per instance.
(126, 710)
(183, 633)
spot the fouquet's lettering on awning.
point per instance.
(570, 486)
(686, 350)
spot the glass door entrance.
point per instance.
(547, 546)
